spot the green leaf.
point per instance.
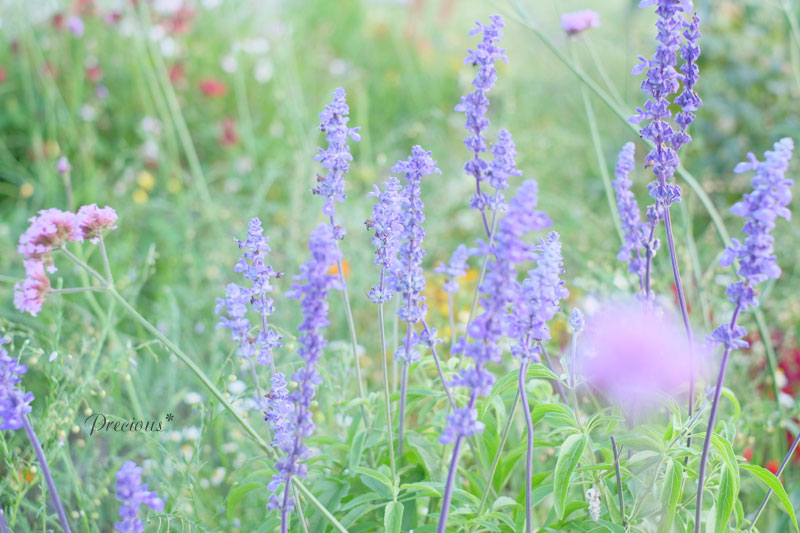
(568, 457)
(393, 517)
(236, 495)
(375, 480)
(769, 479)
(670, 495)
(356, 450)
(426, 451)
(726, 498)
(509, 381)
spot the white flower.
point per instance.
(192, 398)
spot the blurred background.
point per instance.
(190, 117)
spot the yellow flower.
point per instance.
(140, 196)
(146, 180)
(26, 190)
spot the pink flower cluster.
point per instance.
(579, 21)
(50, 230)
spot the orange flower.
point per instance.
(333, 270)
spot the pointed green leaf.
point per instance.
(568, 457)
(769, 479)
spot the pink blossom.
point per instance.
(29, 294)
(63, 165)
(50, 229)
(93, 221)
(575, 23)
(635, 354)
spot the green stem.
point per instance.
(496, 460)
(386, 392)
(339, 527)
(601, 158)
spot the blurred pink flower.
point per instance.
(213, 88)
(575, 23)
(635, 354)
(50, 229)
(29, 294)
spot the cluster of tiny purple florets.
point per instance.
(500, 290)
(387, 222)
(15, 403)
(336, 157)
(133, 494)
(50, 230)
(239, 299)
(475, 104)
(540, 296)
(455, 268)
(311, 287)
(408, 279)
(760, 208)
(663, 80)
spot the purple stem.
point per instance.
(648, 262)
(448, 488)
(523, 371)
(51, 486)
(710, 429)
(553, 369)
(684, 310)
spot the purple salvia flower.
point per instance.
(688, 99)
(387, 221)
(662, 80)
(409, 279)
(239, 300)
(14, 402)
(769, 199)
(629, 214)
(278, 409)
(501, 168)
(336, 157)
(455, 268)
(540, 297)
(311, 287)
(475, 104)
(133, 494)
(500, 289)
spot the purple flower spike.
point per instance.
(769, 200)
(475, 104)
(239, 300)
(662, 80)
(336, 157)
(501, 168)
(278, 410)
(500, 290)
(456, 268)
(14, 402)
(386, 220)
(311, 287)
(540, 297)
(133, 494)
(688, 99)
(409, 279)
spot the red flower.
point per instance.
(772, 465)
(748, 454)
(177, 73)
(2, 75)
(58, 21)
(229, 136)
(94, 73)
(213, 88)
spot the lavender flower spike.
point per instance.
(386, 220)
(409, 279)
(133, 494)
(455, 268)
(633, 228)
(311, 287)
(15, 404)
(239, 300)
(769, 199)
(500, 291)
(475, 104)
(539, 300)
(336, 157)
